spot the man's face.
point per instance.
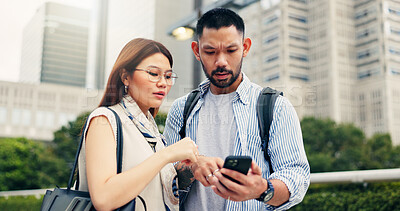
(221, 53)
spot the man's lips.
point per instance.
(221, 75)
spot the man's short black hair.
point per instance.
(218, 18)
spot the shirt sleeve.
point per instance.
(174, 121)
(287, 153)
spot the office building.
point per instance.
(335, 58)
(54, 47)
(36, 111)
(151, 20)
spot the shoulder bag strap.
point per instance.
(119, 150)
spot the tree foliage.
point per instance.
(66, 139)
(342, 147)
(27, 164)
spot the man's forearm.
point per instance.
(185, 175)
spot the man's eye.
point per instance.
(231, 51)
(209, 52)
(167, 77)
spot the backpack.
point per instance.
(265, 108)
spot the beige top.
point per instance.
(135, 150)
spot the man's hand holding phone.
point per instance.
(236, 186)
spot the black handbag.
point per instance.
(67, 199)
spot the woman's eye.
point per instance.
(153, 74)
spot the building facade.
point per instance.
(333, 59)
(35, 111)
(54, 47)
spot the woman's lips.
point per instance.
(159, 95)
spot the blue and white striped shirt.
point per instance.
(285, 146)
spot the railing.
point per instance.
(356, 176)
(316, 178)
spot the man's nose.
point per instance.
(221, 61)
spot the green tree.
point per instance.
(19, 160)
(160, 121)
(27, 164)
(66, 139)
(342, 147)
(381, 153)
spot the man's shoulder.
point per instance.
(179, 103)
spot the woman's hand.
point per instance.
(184, 150)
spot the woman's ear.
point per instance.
(124, 77)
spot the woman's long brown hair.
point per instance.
(130, 57)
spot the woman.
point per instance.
(139, 81)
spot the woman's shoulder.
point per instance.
(104, 112)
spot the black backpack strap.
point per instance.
(191, 101)
(265, 111)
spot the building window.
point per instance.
(300, 1)
(299, 76)
(272, 58)
(367, 73)
(272, 77)
(300, 57)
(394, 51)
(3, 115)
(361, 14)
(271, 19)
(16, 116)
(394, 11)
(395, 71)
(298, 37)
(394, 31)
(366, 53)
(298, 18)
(364, 33)
(45, 119)
(271, 38)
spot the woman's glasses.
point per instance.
(155, 75)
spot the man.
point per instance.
(224, 122)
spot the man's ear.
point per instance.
(246, 46)
(124, 77)
(195, 48)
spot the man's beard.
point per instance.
(226, 82)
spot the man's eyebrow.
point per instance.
(208, 47)
(233, 45)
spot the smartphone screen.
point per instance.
(238, 163)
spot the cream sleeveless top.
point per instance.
(136, 149)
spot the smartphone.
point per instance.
(238, 163)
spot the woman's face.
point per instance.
(147, 93)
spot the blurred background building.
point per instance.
(54, 46)
(335, 59)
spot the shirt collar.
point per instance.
(241, 92)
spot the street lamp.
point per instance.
(183, 33)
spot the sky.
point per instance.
(14, 15)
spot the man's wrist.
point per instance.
(268, 193)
